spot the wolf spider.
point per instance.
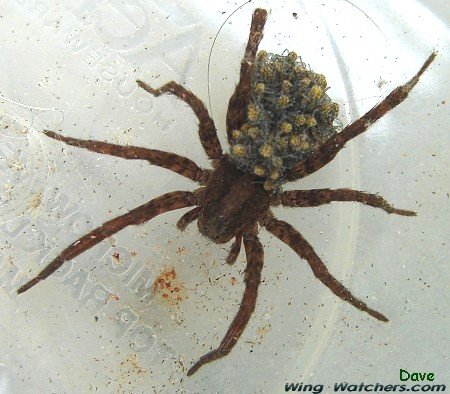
(235, 197)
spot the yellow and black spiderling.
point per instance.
(288, 115)
(280, 125)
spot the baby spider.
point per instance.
(280, 127)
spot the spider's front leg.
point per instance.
(235, 250)
(188, 218)
(291, 237)
(207, 130)
(165, 203)
(330, 149)
(255, 260)
(238, 101)
(316, 197)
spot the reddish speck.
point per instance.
(168, 287)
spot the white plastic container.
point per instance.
(98, 325)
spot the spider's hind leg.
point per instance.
(255, 259)
(238, 101)
(207, 130)
(327, 152)
(165, 203)
(291, 237)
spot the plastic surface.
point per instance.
(101, 324)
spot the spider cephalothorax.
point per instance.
(232, 201)
(280, 126)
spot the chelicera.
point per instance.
(281, 128)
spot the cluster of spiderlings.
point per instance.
(288, 116)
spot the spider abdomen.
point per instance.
(288, 116)
(232, 201)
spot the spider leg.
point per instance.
(238, 101)
(291, 237)
(164, 203)
(255, 259)
(329, 150)
(315, 197)
(235, 250)
(207, 130)
(188, 218)
(176, 163)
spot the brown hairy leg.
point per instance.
(255, 260)
(188, 218)
(164, 203)
(176, 163)
(207, 130)
(315, 197)
(238, 101)
(291, 237)
(235, 250)
(324, 154)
